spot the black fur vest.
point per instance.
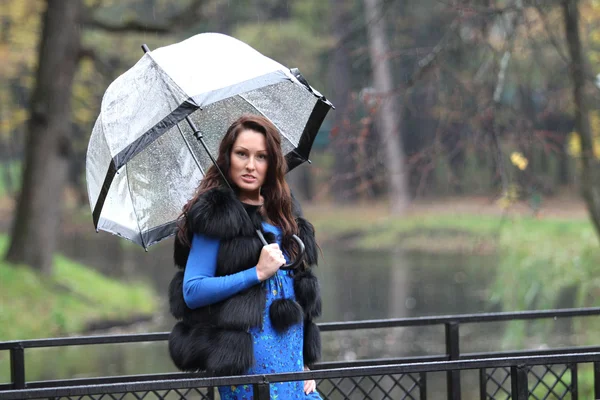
(216, 338)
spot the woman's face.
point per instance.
(249, 162)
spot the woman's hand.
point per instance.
(309, 386)
(270, 260)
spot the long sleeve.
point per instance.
(200, 285)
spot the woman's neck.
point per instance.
(254, 199)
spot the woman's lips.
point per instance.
(248, 178)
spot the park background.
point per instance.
(458, 173)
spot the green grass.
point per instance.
(375, 230)
(36, 306)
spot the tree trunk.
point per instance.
(388, 110)
(5, 153)
(36, 225)
(590, 182)
(342, 187)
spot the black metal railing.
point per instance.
(520, 389)
(547, 374)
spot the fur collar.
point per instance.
(218, 213)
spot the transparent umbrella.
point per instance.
(161, 123)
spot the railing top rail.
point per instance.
(85, 340)
(318, 366)
(324, 327)
(436, 366)
(460, 319)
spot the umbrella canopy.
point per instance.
(144, 163)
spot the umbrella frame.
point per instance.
(293, 159)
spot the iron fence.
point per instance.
(520, 370)
(532, 374)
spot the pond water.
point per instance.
(355, 284)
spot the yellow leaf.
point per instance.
(519, 160)
(574, 144)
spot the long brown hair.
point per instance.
(276, 193)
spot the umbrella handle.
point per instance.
(298, 259)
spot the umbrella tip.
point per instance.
(145, 48)
(308, 161)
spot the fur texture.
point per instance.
(306, 232)
(306, 287)
(218, 213)
(285, 313)
(179, 308)
(312, 343)
(254, 214)
(242, 311)
(178, 344)
(181, 252)
(189, 347)
(232, 353)
(269, 237)
(237, 254)
(176, 302)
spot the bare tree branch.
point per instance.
(479, 10)
(554, 41)
(427, 62)
(182, 20)
(511, 34)
(551, 37)
(129, 26)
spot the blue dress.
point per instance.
(274, 352)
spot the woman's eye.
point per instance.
(241, 153)
(262, 157)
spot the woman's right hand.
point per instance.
(270, 260)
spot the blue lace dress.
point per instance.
(274, 352)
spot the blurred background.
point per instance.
(458, 174)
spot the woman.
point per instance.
(238, 312)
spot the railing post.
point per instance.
(17, 367)
(518, 383)
(597, 380)
(483, 383)
(262, 391)
(453, 352)
(423, 386)
(574, 383)
(210, 395)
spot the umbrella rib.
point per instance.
(190, 149)
(137, 221)
(261, 113)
